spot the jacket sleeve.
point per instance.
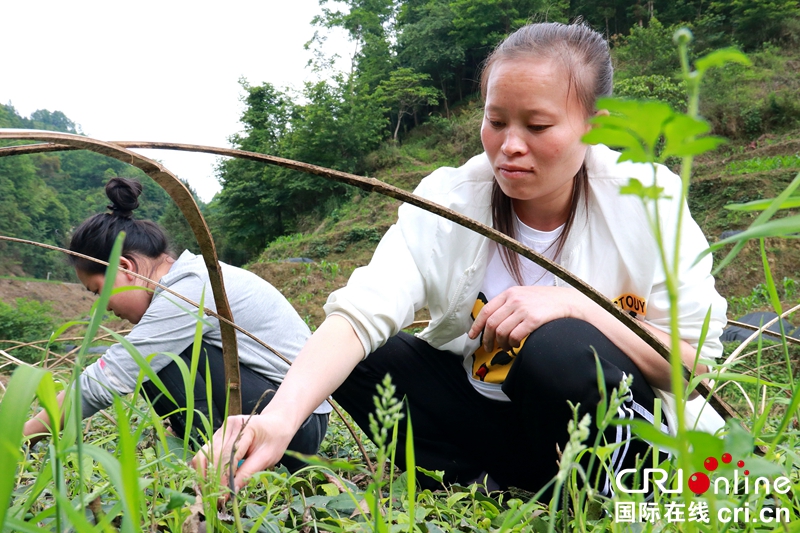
(167, 326)
(381, 298)
(696, 292)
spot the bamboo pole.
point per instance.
(185, 202)
(374, 185)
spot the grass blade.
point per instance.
(14, 409)
(128, 466)
(411, 473)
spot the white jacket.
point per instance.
(428, 260)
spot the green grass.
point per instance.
(123, 472)
(38, 280)
(763, 164)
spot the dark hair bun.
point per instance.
(124, 195)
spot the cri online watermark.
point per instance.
(700, 483)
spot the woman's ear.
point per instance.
(127, 264)
(598, 113)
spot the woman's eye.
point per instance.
(538, 127)
(496, 123)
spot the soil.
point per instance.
(69, 301)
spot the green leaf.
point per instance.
(635, 187)
(42, 480)
(760, 205)
(647, 431)
(14, 408)
(780, 227)
(316, 460)
(611, 137)
(762, 218)
(645, 118)
(774, 299)
(177, 498)
(411, 472)
(438, 475)
(114, 471)
(683, 126)
(695, 147)
(738, 441)
(14, 524)
(128, 462)
(719, 58)
(635, 154)
(680, 137)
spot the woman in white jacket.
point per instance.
(488, 382)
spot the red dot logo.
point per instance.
(726, 458)
(740, 464)
(699, 483)
(711, 464)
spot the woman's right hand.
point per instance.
(321, 366)
(259, 440)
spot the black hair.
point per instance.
(96, 235)
(586, 58)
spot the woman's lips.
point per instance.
(515, 172)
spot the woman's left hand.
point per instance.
(513, 314)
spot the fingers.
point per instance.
(251, 465)
(216, 454)
(244, 440)
(480, 321)
(497, 328)
(506, 319)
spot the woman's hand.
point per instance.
(321, 366)
(513, 314)
(260, 440)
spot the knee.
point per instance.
(556, 348)
(557, 361)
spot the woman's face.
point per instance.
(129, 304)
(531, 131)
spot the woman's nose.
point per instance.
(513, 143)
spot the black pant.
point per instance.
(253, 387)
(460, 431)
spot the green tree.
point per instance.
(647, 50)
(44, 196)
(404, 92)
(372, 26)
(335, 126)
(177, 227)
(754, 22)
(56, 120)
(426, 44)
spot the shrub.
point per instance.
(653, 87)
(28, 321)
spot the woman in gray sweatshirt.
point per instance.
(163, 324)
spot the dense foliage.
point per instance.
(25, 321)
(43, 197)
(414, 61)
(417, 60)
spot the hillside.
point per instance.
(347, 238)
(43, 197)
(339, 243)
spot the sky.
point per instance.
(165, 70)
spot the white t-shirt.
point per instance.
(488, 370)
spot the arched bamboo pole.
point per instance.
(185, 202)
(374, 185)
(205, 310)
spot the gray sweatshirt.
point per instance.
(167, 326)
